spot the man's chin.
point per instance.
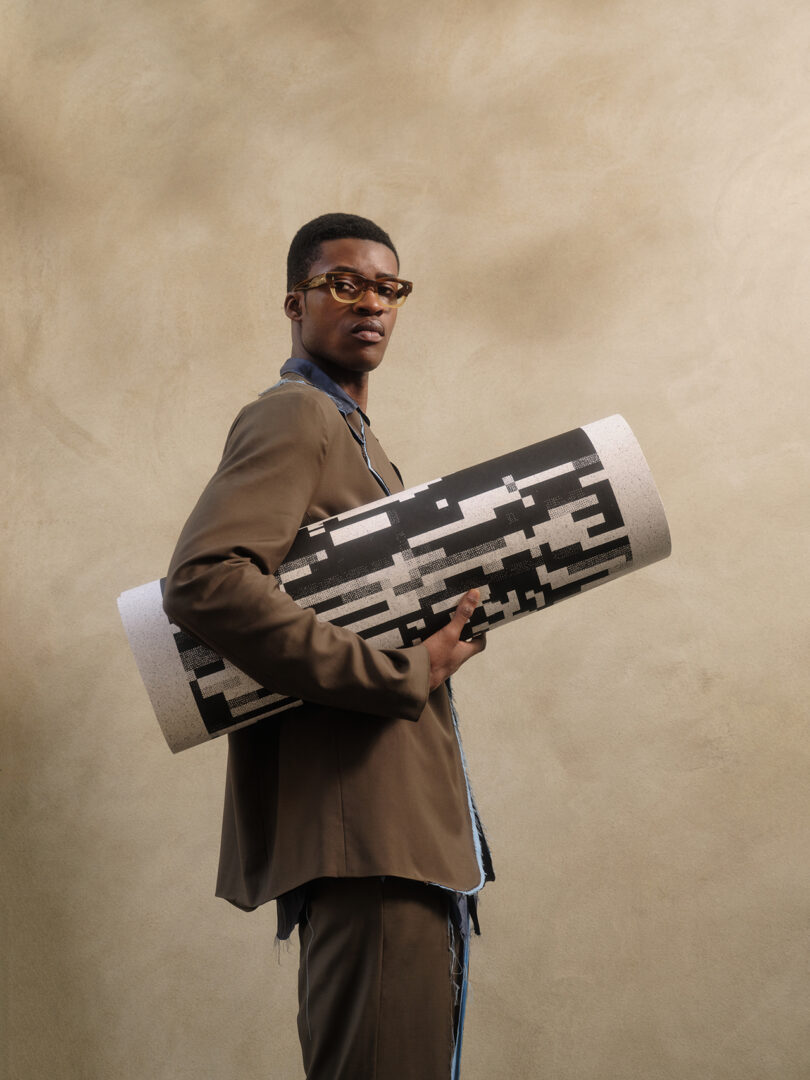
(361, 360)
(354, 363)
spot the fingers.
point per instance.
(461, 616)
(469, 648)
(465, 608)
(447, 651)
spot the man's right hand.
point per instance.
(447, 652)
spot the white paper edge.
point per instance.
(634, 488)
(152, 642)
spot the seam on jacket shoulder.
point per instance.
(258, 402)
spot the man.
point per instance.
(354, 810)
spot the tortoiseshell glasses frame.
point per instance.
(347, 288)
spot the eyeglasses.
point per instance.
(347, 288)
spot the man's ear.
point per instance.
(293, 306)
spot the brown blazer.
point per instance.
(366, 778)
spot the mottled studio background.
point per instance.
(605, 207)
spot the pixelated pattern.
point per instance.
(225, 696)
(527, 529)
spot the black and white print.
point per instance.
(528, 529)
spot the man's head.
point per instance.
(343, 326)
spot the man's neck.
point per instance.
(354, 383)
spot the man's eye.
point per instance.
(344, 285)
(387, 290)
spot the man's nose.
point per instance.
(369, 301)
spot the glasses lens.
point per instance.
(346, 287)
(390, 293)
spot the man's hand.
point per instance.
(447, 653)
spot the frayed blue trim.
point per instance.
(455, 1068)
(474, 818)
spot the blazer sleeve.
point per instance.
(221, 585)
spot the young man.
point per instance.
(354, 810)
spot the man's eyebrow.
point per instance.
(354, 270)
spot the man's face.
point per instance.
(350, 337)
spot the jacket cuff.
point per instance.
(420, 676)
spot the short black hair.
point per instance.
(306, 243)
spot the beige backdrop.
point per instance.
(604, 207)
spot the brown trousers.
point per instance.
(378, 981)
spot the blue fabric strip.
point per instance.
(455, 1068)
(312, 373)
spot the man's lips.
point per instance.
(369, 330)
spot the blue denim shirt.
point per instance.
(312, 373)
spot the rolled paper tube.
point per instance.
(528, 529)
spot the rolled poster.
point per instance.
(529, 528)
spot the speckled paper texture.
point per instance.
(529, 528)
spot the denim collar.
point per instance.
(312, 373)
